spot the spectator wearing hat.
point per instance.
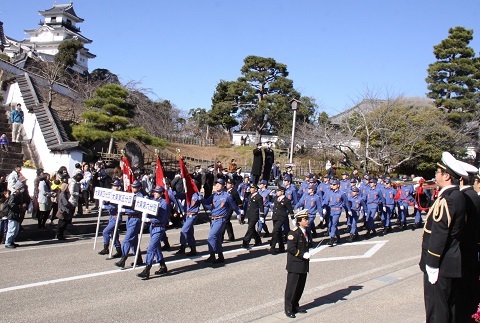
(107, 233)
(269, 159)
(253, 212)
(230, 186)
(335, 201)
(15, 208)
(134, 222)
(298, 258)
(158, 223)
(388, 193)
(244, 191)
(374, 199)
(358, 208)
(219, 204)
(441, 259)
(313, 204)
(282, 207)
(257, 165)
(266, 196)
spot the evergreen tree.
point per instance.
(454, 79)
(108, 117)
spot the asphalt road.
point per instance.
(373, 280)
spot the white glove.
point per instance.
(384, 209)
(306, 255)
(321, 219)
(402, 207)
(239, 217)
(145, 218)
(241, 212)
(324, 211)
(262, 220)
(432, 274)
(350, 213)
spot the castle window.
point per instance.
(53, 20)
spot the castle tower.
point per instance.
(59, 24)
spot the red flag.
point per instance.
(160, 178)
(188, 182)
(128, 176)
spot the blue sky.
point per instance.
(334, 50)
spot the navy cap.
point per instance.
(287, 178)
(220, 181)
(229, 181)
(366, 177)
(281, 188)
(159, 189)
(404, 177)
(309, 175)
(345, 173)
(334, 182)
(326, 176)
(355, 189)
(136, 183)
(117, 183)
(264, 182)
(388, 181)
(312, 181)
(373, 180)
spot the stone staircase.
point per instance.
(15, 155)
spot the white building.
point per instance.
(246, 138)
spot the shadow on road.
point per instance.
(332, 298)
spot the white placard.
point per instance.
(117, 197)
(146, 206)
(101, 193)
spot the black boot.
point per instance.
(211, 258)
(181, 251)
(138, 261)
(163, 268)
(145, 274)
(104, 251)
(166, 245)
(220, 259)
(121, 263)
(118, 253)
(193, 251)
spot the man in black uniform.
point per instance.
(470, 286)
(298, 259)
(282, 207)
(441, 259)
(257, 165)
(252, 213)
(269, 159)
(208, 185)
(236, 198)
(197, 176)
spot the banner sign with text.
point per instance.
(146, 206)
(117, 197)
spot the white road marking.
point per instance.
(109, 272)
(376, 246)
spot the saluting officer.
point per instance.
(298, 259)
(134, 222)
(281, 209)
(158, 223)
(107, 233)
(441, 259)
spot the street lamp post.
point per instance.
(294, 105)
